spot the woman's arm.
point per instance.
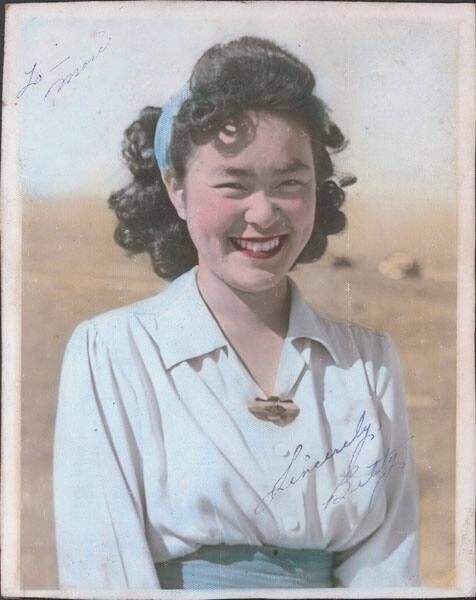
(390, 556)
(100, 536)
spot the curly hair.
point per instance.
(227, 81)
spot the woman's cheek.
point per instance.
(304, 220)
(213, 218)
(301, 213)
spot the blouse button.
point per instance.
(281, 449)
(291, 523)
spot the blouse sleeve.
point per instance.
(100, 535)
(390, 556)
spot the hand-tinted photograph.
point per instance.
(238, 305)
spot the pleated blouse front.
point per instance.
(157, 454)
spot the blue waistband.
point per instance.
(243, 566)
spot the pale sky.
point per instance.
(390, 78)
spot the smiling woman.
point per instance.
(244, 204)
(296, 469)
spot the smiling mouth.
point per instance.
(260, 247)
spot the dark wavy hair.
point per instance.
(227, 81)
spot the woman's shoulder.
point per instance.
(349, 339)
(117, 327)
(346, 339)
(345, 328)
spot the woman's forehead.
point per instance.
(259, 140)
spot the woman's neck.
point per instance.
(254, 311)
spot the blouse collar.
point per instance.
(185, 328)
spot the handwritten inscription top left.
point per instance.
(64, 71)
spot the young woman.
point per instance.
(223, 434)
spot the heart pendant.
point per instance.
(277, 411)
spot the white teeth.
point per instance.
(258, 246)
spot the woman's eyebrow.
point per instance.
(292, 167)
(232, 171)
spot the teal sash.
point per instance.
(237, 567)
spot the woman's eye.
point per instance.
(291, 183)
(230, 185)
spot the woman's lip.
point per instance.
(258, 251)
(259, 239)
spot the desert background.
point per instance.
(72, 270)
(391, 74)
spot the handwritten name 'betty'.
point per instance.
(63, 73)
(290, 476)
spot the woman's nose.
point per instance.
(261, 210)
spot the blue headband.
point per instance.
(163, 131)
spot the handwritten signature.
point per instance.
(37, 78)
(377, 472)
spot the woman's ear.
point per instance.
(176, 194)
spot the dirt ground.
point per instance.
(72, 270)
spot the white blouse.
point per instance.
(156, 452)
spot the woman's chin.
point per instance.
(244, 276)
(254, 280)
